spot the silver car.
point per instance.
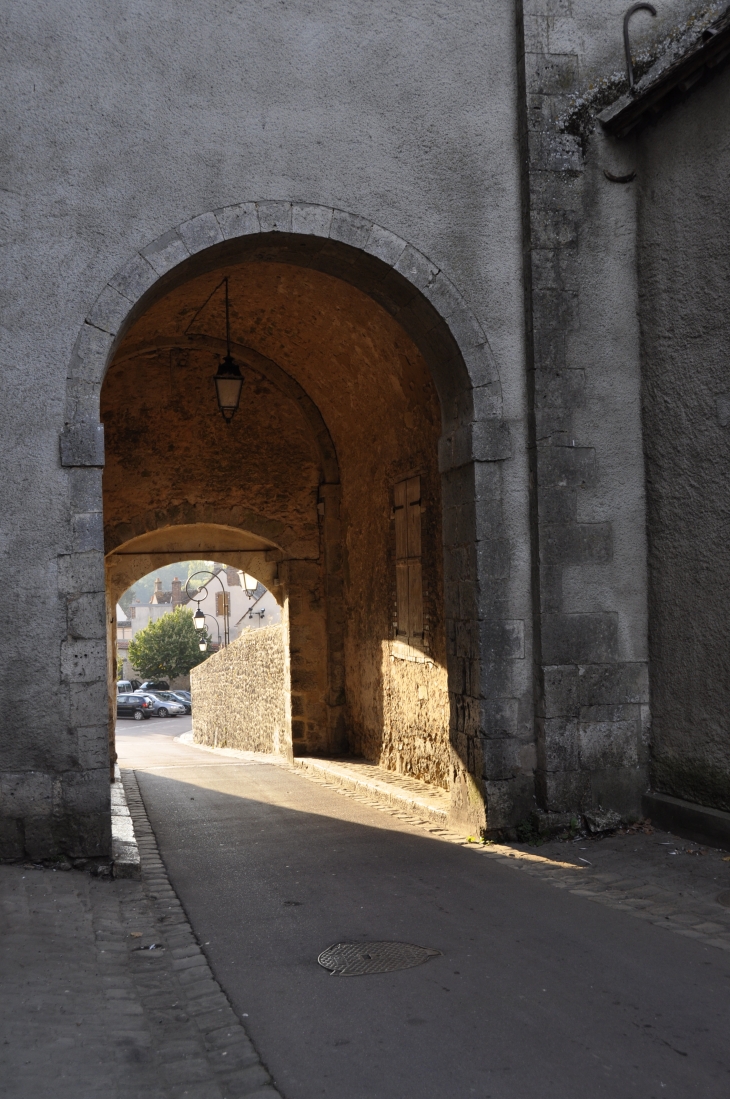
(164, 703)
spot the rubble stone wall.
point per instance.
(239, 694)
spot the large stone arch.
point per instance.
(482, 641)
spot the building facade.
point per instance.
(476, 285)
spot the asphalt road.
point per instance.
(539, 994)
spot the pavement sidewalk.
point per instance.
(106, 992)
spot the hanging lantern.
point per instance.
(228, 380)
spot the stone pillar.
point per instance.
(81, 800)
(306, 619)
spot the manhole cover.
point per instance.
(724, 898)
(354, 959)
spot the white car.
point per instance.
(164, 703)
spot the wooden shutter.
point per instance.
(408, 574)
(222, 603)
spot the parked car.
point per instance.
(184, 697)
(127, 686)
(153, 685)
(163, 703)
(136, 706)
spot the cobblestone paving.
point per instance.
(649, 874)
(107, 994)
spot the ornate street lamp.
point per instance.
(228, 380)
(200, 616)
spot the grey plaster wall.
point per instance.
(584, 386)
(683, 164)
(125, 119)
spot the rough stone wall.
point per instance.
(683, 163)
(415, 719)
(239, 695)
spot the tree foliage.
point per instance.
(168, 647)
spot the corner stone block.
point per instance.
(562, 744)
(579, 638)
(108, 311)
(499, 805)
(567, 791)
(82, 400)
(562, 691)
(82, 444)
(493, 558)
(310, 219)
(553, 152)
(89, 705)
(491, 441)
(134, 278)
(90, 354)
(498, 718)
(500, 759)
(608, 744)
(88, 532)
(560, 388)
(350, 229)
(83, 661)
(607, 685)
(384, 245)
(166, 252)
(85, 489)
(241, 220)
(200, 232)
(93, 747)
(487, 401)
(25, 793)
(80, 572)
(577, 544)
(274, 217)
(503, 640)
(86, 616)
(566, 466)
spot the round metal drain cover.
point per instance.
(724, 898)
(355, 959)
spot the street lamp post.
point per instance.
(199, 619)
(200, 616)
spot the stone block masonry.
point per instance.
(239, 695)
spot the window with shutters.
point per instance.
(408, 570)
(222, 603)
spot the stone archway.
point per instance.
(481, 640)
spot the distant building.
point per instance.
(250, 605)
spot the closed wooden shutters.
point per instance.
(222, 603)
(409, 578)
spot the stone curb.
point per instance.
(125, 852)
(392, 795)
(199, 999)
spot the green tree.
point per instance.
(168, 647)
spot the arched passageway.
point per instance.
(326, 483)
